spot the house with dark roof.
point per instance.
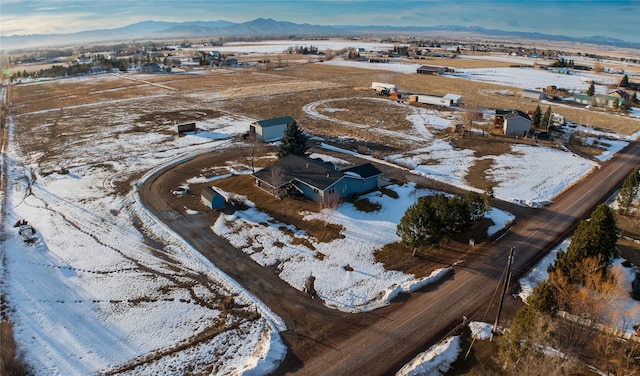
(315, 179)
(270, 129)
(516, 123)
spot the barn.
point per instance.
(270, 129)
(516, 123)
(212, 198)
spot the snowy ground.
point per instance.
(435, 361)
(91, 295)
(280, 46)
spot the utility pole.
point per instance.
(507, 281)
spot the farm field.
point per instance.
(80, 147)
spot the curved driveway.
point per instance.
(327, 342)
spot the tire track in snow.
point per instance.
(310, 109)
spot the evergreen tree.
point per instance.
(537, 116)
(624, 82)
(595, 238)
(293, 141)
(543, 299)
(629, 192)
(591, 90)
(433, 219)
(546, 118)
(633, 99)
(415, 224)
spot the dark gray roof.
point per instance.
(365, 171)
(515, 114)
(312, 171)
(430, 68)
(276, 121)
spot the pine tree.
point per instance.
(624, 82)
(431, 220)
(537, 116)
(629, 192)
(595, 238)
(293, 141)
(546, 118)
(591, 90)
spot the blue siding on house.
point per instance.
(349, 186)
(308, 191)
(320, 181)
(343, 188)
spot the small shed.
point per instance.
(430, 69)
(212, 198)
(270, 129)
(186, 127)
(453, 99)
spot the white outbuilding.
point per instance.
(270, 129)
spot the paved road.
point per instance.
(325, 342)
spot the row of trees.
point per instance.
(433, 219)
(538, 119)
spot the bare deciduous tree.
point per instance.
(327, 205)
(250, 150)
(277, 180)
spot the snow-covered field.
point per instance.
(280, 46)
(524, 78)
(92, 295)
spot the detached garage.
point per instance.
(516, 123)
(270, 129)
(212, 198)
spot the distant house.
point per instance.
(620, 94)
(212, 198)
(270, 129)
(430, 69)
(315, 179)
(151, 68)
(532, 94)
(516, 123)
(599, 100)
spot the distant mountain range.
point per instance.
(270, 27)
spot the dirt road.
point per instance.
(326, 342)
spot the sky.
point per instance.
(574, 18)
